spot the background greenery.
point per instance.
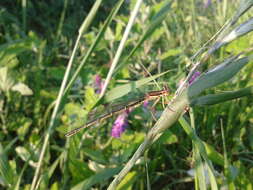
(37, 39)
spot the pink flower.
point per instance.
(119, 125)
(145, 104)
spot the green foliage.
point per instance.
(41, 39)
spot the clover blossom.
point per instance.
(119, 125)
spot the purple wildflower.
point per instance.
(145, 104)
(207, 3)
(119, 125)
(98, 84)
(194, 77)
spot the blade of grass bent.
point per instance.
(57, 105)
(199, 145)
(93, 46)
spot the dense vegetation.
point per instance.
(55, 57)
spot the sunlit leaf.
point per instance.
(122, 90)
(22, 89)
(6, 82)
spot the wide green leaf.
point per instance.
(123, 90)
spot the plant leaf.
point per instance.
(22, 89)
(122, 90)
(218, 75)
(6, 82)
(241, 30)
(212, 99)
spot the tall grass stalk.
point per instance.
(94, 44)
(24, 8)
(84, 27)
(121, 45)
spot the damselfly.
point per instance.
(152, 95)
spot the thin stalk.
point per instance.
(24, 6)
(59, 29)
(94, 44)
(54, 114)
(121, 45)
(83, 28)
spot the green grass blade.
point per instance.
(122, 90)
(239, 31)
(121, 45)
(61, 21)
(128, 181)
(20, 175)
(199, 170)
(212, 99)
(155, 24)
(24, 10)
(218, 75)
(201, 148)
(56, 108)
(85, 25)
(213, 155)
(244, 6)
(94, 44)
(7, 175)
